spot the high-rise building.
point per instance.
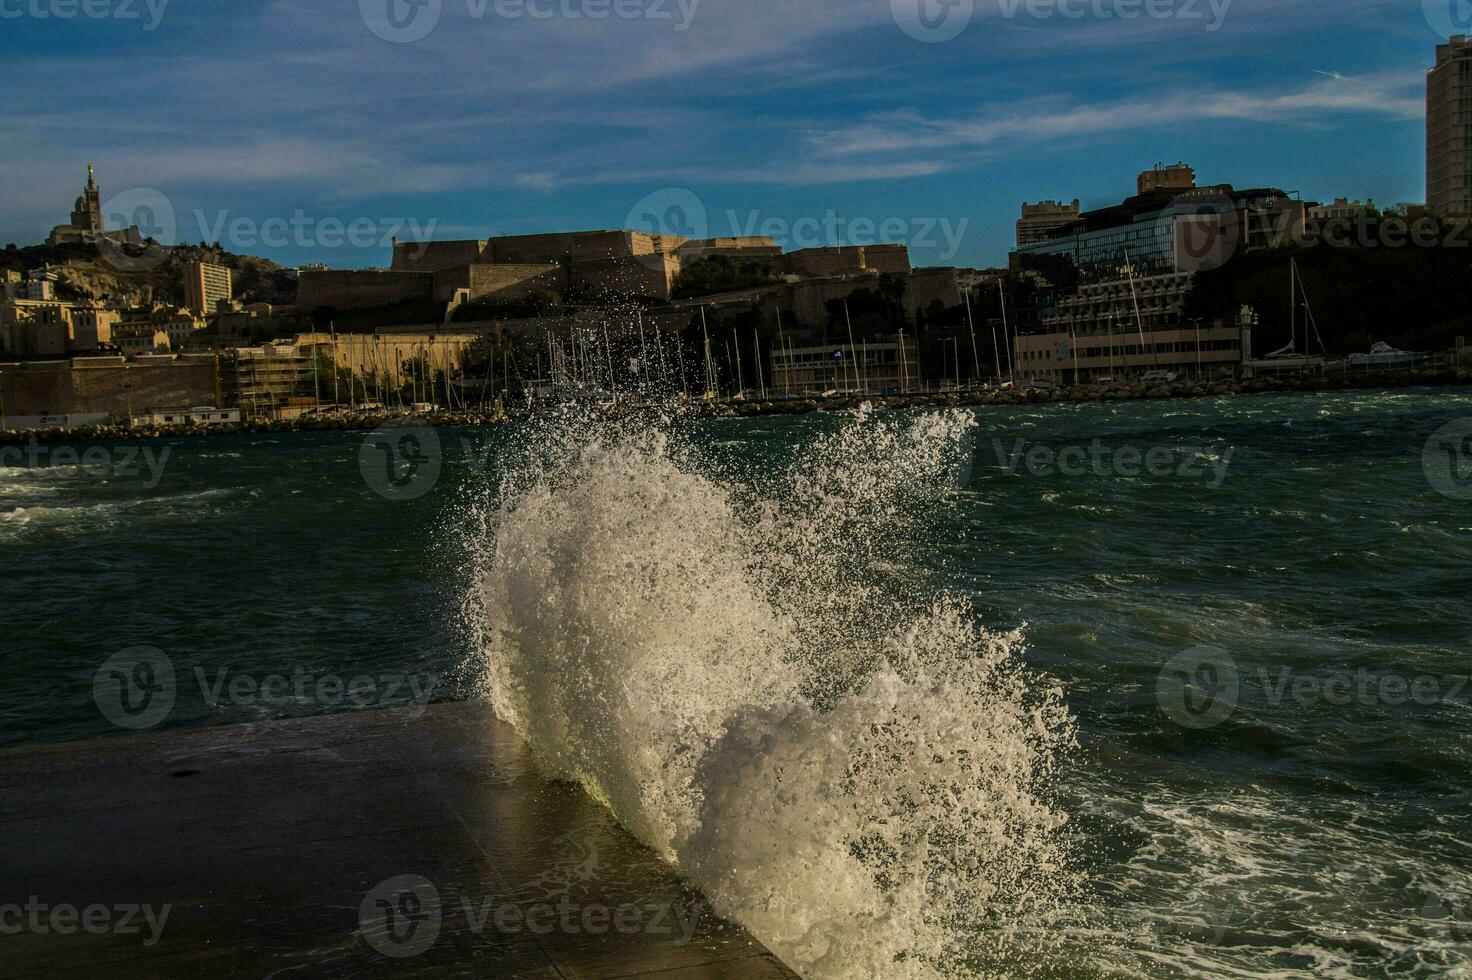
(1449, 128)
(1040, 218)
(205, 285)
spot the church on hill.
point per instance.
(88, 223)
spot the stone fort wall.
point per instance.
(356, 289)
(108, 384)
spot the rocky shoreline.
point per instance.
(1426, 377)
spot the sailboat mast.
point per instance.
(1129, 269)
(756, 344)
(971, 324)
(705, 333)
(858, 362)
(740, 379)
(1293, 305)
(782, 339)
(1006, 335)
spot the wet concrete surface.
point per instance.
(407, 842)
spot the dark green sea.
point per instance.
(1258, 609)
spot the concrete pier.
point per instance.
(405, 842)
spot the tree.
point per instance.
(720, 274)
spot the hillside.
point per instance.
(86, 273)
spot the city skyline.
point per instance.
(1019, 107)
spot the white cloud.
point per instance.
(908, 132)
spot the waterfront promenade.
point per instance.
(778, 403)
(413, 842)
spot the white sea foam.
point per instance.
(846, 764)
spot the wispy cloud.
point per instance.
(908, 132)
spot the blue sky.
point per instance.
(292, 119)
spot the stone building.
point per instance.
(1039, 219)
(885, 366)
(115, 386)
(88, 223)
(52, 328)
(620, 262)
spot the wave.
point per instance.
(840, 758)
(86, 518)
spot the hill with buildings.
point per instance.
(86, 274)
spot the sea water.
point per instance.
(1159, 689)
